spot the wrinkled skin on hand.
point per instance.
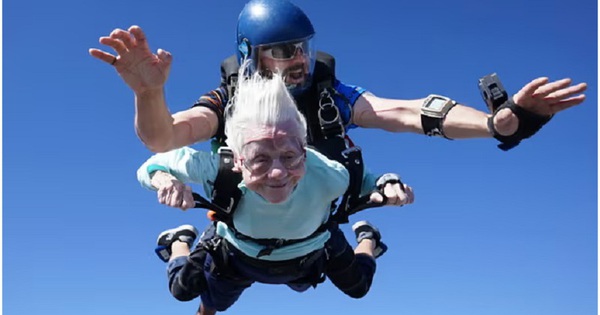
(172, 192)
(177, 195)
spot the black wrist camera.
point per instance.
(492, 91)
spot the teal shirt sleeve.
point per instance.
(339, 182)
(186, 164)
(328, 171)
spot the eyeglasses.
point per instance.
(285, 51)
(262, 163)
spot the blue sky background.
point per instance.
(491, 232)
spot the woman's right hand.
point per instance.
(172, 192)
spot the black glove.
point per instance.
(529, 124)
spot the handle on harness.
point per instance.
(364, 202)
(213, 210)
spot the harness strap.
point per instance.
(229, 73)
(336, 145)
(354, 164)
(225, 195)
(275, 243)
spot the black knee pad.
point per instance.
(181, 294)
(190, 281)
(352, 274)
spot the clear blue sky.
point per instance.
(491, 232)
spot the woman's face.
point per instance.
(272, 163)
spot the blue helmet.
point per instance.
(272, 21)
(278, 28)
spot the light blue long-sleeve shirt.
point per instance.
(307, 208)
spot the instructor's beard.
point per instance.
(294, 75)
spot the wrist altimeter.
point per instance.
(433, 112)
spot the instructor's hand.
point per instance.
(142, 70)
(540, 97)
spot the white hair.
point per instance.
(260, 102)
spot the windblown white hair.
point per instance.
(260, 102)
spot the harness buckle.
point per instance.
(325, 119)
(229, 207)
(226, 152)
(269, 248)
(351, 151)
(329, 116)
(325, 95)
(212, 244)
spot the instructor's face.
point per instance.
(294, 70)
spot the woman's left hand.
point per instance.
(396, 195)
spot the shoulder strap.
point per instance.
(324, 70)
(226, 194)
(229, 78)
(331, 139)
(229, 73)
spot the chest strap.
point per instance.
(271, 244)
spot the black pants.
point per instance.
(220, 276)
